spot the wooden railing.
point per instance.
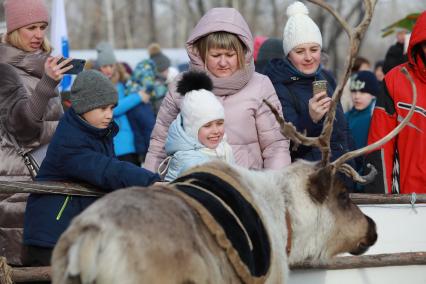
(42, 274)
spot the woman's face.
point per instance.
(32, 36)
(222, 62)
(306, 57)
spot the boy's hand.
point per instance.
(319, 105)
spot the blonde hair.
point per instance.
(120, 74)
(223, 40)
(15, 40)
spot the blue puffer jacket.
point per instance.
(294, 89)
(77, 152)
(183, 149)
(124, 141)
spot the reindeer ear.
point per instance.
(320, 184)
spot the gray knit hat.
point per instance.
(91, 89)
(105, 54)
(162, 62)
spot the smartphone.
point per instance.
(319, 86)
(77, 65)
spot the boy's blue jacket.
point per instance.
(78, 152)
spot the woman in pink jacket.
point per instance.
(222, 45)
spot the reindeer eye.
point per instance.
(343, 197)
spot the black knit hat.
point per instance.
(366, 82)
(91, 89)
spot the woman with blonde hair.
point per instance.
(29, 106)
(221, 45)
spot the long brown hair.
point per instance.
(223, 40)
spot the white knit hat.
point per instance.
(198, 108)
(299, 28)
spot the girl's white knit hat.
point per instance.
(198, 108)
(199, 105)
(299, 28)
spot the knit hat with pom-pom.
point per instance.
(162, 62)
(200, 105)
(299, 28)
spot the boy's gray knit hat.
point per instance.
(91, 89)
(105, 54)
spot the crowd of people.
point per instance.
(125, 127)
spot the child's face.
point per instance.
(108, 70)
(211, 133)
(361, 100)
(99, 117)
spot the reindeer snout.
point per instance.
(369, 239)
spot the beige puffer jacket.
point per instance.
(252, 130)
(29, 111)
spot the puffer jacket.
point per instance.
(294, 90)
(29, 112)
(186, 151)
(253, 132)
(78, 152)
(401, 162)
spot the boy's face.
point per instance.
(361, 100)
(99, 117)
(211, 133)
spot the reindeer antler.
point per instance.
(339, 164)
(355, 36)
(323, 141)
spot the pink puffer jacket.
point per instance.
(252, 130)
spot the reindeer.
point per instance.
(163, 234)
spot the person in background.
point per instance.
(124, 141)
(272, 48)
(378, 70)
(364, 89)
(257, 43)
(30, 107)
(401, 162)
(360, 64)
(197, 135)
(81, 150)
(293, 77)
(396, 54)
(221, 45)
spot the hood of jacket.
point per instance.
(418, 35)
(178, 140)
(30, 62)
(283, 71)
(227, 20)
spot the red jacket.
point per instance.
(402, 161)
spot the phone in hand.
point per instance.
(319, 86)
(77, 65)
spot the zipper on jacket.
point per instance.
(62, 208)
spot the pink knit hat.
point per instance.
(20, 13)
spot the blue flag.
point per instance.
(59, 37)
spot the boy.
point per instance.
(197, 134)
(364, 89)
(81, 150)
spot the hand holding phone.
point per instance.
(77, 65)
